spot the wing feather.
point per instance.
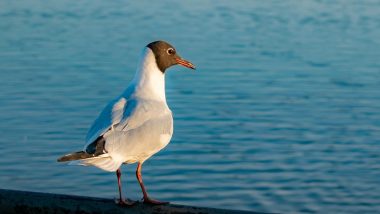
(122, 119)
(111, 115)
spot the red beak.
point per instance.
(185, 63)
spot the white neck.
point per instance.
(149, 81)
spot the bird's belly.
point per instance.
(155, 146)
(135, 148)
(165, 139)
(140, 143)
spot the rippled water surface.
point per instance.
(282, 115)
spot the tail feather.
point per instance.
(103, 161)
(75, 156)
(106, 163)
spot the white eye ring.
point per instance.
(170, 51)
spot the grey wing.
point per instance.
(111, 115)
(142, 111)
(125, 129)
(143, 140)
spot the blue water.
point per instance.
(282, 115)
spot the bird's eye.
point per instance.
(170, 51)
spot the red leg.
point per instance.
(146, 197)
(121, 201)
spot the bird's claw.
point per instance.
(154, 202)
(124, 203)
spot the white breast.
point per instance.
(165, 138)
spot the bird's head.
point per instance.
(167, 56)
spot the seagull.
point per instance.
(135, 125)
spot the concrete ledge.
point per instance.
(12, 201)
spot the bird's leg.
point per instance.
(146, 197)
(121, 201)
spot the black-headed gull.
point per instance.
(135, 125)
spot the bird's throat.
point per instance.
(149, 81)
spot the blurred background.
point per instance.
(282, 115)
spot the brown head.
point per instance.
(167, 56)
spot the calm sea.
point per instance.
(282, 115)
